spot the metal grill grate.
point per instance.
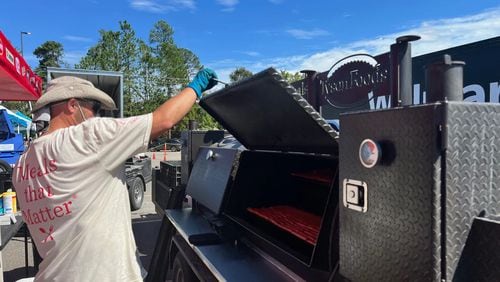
(299, 223)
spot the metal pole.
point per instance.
(22, 55)
(22, 47)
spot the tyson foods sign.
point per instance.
(355, 78)
(362, 82)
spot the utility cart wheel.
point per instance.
(181, 270)
(136, 194)
(5, 176)
(5, 167)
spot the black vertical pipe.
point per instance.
(401, 71)
(192, 124)
(312, 95)
(444, 80)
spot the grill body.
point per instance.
(439, 169)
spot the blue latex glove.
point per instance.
(204, 80)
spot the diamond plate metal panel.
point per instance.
(446, 159)
(393, 240)
(472, 171)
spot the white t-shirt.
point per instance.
(73, 196)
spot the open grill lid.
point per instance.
(265, 113)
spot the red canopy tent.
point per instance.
(17, 81)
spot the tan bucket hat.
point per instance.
(67, 87)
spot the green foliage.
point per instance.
(192, 62)
(49, 54)
(204, 120)
(153, 71)
(239, 74)
(291, 77)
(162, 32)
(117, 51)
(23, 107)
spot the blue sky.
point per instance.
(226, 34)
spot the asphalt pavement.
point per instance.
(145, 224)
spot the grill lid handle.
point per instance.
(210, 155)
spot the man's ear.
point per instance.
(72, 105)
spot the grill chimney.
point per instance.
(444, 80)
(192, 124)
(401, 71)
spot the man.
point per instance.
(71, 186)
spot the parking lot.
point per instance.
(145, 223)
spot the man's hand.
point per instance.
(204, 80)
(175, 108)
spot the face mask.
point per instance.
(96, 109)
(81, 112)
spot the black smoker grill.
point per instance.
(279, 193)
(396, 204)
(407, 217)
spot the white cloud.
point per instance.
(155, 6)
(436, 35)
(148, 6)
(307, 34)
(251, 53)
(229, 5)
(189, 4)
(77, 38)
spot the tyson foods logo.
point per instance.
(350, 80)
(1, 47)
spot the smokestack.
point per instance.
(192, 124)
(401, 71)
(311, 97)
(444, 80)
